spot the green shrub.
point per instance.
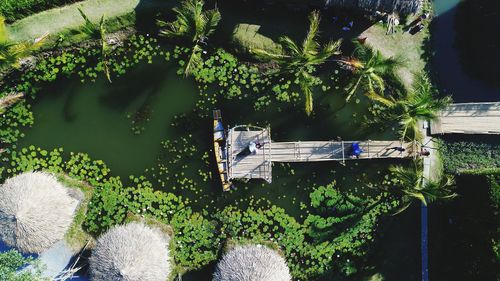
(466, 156)
(11, 261)
(494, 181)
(196, 240)
(12, 120)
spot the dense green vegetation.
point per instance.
(338, 224)
(467, 156)
(17, 9)
(11, 261)
(194, 25)
(199, 235)
(12, 52)
(494, 181)
(300, 61)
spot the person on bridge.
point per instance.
(355, 150)
(425, 152)
(397, 148)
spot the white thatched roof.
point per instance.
(131, 252)
(35, 211)
(404, 7)
(252, 263)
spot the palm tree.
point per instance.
(193, 24)
(416, 105)
(12, 52)
(98, 32)
(301, 60)
(370, 69)
(409, 183)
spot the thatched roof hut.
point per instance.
(252, 263)
(403, 7)
(131, 252)
(35, 211)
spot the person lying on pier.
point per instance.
(250, 149)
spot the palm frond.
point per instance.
(193, 61)
(402, 208)
(416, 195)
(389, 102)
(213, 19)
(3, 30)
(306, 89)
(310, 46)
(290, 46)
(330, 49)
(89, 28)
(353, 88)
(378, 80)
(266, 55)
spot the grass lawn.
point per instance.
(404, 45)
(58, 20)
(76, 237)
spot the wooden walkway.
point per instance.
(259, 165)
(468, 118)
(313, 151)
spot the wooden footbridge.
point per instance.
(468, 118)
(258, 165)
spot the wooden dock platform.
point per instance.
(258, 165)
(468, 118)
(253, 166)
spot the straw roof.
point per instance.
(404, 7)
(35, 211)
(252, 263)
(131, 252)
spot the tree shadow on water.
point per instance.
(142, 82)
(147, 11)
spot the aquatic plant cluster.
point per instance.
(332, 235)
(494, 181)
(467, 157)
(199, 236)
(327, 239)
(221, 76)
(82, 62)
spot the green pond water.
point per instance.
(97, 118)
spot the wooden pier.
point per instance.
(259, 165)
(468, 118)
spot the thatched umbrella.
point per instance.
(131, 252)
(404, 7)
(35, 211)
(252, 263)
